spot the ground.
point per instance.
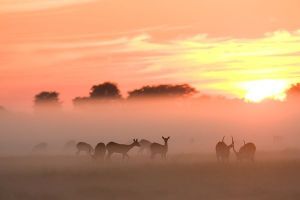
(180, 177)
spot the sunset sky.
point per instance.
(220, 47)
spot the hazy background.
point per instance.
(194, 126)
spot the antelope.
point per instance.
(223, 150)
(246, 152)
(82, 146)
(41, 147)
(123, 149)
(71, 144)
(145, 145)
(100, 151)
(156, 148)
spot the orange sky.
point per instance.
(215, 45)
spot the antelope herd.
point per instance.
(102, 151)
(246, 152)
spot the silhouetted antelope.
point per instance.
(145, 145)
(159, 148)
(223, 150)
(85, 147)
(246, 152)
(40, 148)
(100, 151)
(71, 144)
(123, 149)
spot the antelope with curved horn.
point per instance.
(145, 145)
(223, 150)
(246, 152)
(156, 148)
(85, 147)
(100, 151)
(123, 149)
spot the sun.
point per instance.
(258, 90)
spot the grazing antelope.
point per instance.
(145, 145)
(246, 152)
(123, 149)
(40, 148)
(71, 144)
(159, 148)
(82, 146)
(223, 150)
(100, 151)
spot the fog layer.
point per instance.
(193, 126)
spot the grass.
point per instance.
(181, 177)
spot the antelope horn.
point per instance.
(223, 138)
(235, 152)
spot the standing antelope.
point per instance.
(246, 152)
(100, 151)
(223, 150)
(123, 149)
(159, 148)
(145, 145)
(85, 147)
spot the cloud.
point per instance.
(8, 6)
(216, 65)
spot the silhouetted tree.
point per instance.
(293, 91)
(47, 99)
(105, 90)
(182, 90)
(81, 100)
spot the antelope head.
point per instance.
(165, 139)
(136, 143)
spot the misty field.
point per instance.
(190, 176)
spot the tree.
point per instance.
(166, 90)
(79, 101)
(293, 91)
(105, 90)
(47, 99)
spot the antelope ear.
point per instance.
(162, 137)
(168, 137)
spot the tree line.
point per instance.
(109, 91)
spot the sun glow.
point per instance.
(257, 91)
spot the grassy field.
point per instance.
(180, 177)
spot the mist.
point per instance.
(194, 125)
